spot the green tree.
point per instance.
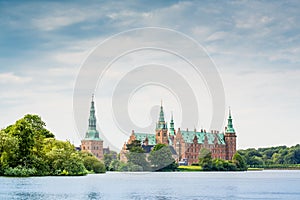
(107, 160)
(205, 159)
(136, 155)
(91, 163)
(8, 150)
(114, 165)
(134, 146)
(161, 158)
(239, 162)
(30, 132)
(138, 158)
(62, 158)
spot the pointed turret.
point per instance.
(161, 114)
(161, 122)
(230, 128)
(92, 132)
(172, 129)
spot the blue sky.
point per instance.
(254, 44)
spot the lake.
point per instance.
(256, 185)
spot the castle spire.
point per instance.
(230, 128)
(161, 114)
(92, 132)
(172, 129)
(161, 122)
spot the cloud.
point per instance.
(11, 78)
(60, 18)
(255, 44)
(220, 35)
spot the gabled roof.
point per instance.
(188, 137)
(142, 136)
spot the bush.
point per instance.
(20, 171)
(91, 163)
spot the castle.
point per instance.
(186, 145)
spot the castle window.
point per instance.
(158, 134)
(165, 134)
(88, 147)
(83, 147)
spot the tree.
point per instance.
(30, 132)
(136, 155)
(8, 150)
(239, 162)
(63, 159)
(107, 160)
(91, 163)
(205, 159)
(134, 146)
(161, 158)
(138, 158)
(114, 165)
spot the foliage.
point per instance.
(91, 163)
(209, 164)
(114, 165)
(205, 159)
(20, 171)
(161, 158)
(239, 161)
(138, 158)
(135, 146)
(136, 155)
(107, 160)
(271, 156)
(27, 148)
(8, 150)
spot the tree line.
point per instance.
(272, 157)
(27, 148)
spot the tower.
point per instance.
(161, 128)
(92, 142)
(230, 138)
(172, 129)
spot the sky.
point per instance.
(254, 46)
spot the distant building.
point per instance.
(92, 141)
(186, 145)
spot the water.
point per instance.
(161, 186)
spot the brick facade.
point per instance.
(188, 144)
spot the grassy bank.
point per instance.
(189, 168)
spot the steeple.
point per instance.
(230, 128)
(161, 122)
(92, 118)
(172, 130)
(92, 132)
(161, 114)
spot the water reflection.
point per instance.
(94, 195)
